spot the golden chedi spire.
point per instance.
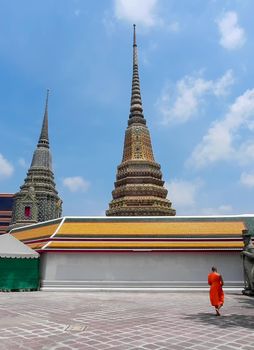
(139, 188)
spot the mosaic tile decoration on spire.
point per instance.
(38, 198)
(139, 188)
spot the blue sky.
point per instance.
(196, 70)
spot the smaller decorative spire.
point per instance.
(44, 138)
(38, 198)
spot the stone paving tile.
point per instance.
(124, 321)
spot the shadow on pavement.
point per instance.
(224, 321)
(247, 302)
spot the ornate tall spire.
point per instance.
(38, 198)
(139, 188)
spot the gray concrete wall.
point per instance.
(138, 269)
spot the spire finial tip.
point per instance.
(134, 35)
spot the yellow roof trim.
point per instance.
(151, 228)
(125, 245)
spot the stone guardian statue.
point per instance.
(248, 263)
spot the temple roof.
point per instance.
(133, 234)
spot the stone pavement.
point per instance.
(124, 321)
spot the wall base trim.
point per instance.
(47, 285)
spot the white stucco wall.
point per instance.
(138, 269)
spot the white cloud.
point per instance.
(76, 183)
(137, 11)
(247, 179)
(221, 210)
(145, 54)
(6, 169)
(174, 27)
(245, 152)
(232, 35)
(218, 143)
(108, 22)
(183, 193)
(189, 95)
(221, 86)
(22, 162)
(185, 197)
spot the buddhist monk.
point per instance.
(216, 293)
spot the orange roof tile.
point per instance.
(36, 245)
(35, 232)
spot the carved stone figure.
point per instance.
(31, 191)
(248, 263)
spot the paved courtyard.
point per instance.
(124, 321)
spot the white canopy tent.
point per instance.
(19, 265)
(11, 247)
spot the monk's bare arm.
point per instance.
(222, 282)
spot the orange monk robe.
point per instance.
(216, 292)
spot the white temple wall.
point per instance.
(142, 269)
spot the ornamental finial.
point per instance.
(134, 35)
(136, 110)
